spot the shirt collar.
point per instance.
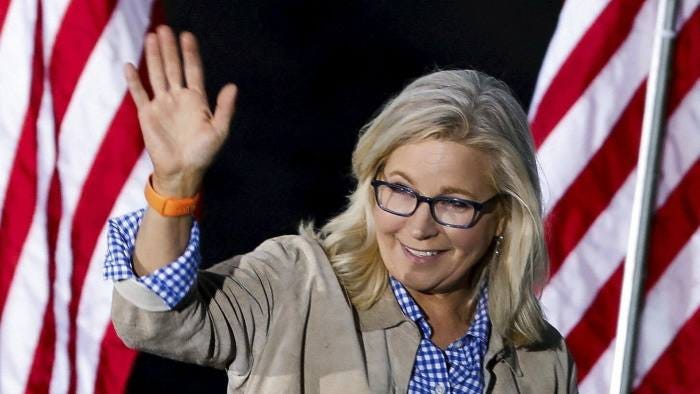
(480, 324)
(386, 313)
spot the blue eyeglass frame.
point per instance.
(479, 207)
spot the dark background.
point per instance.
(310, 74)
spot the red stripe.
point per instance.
(686, 62)
(4, 6)
(676, 370)
(113, 164)
(80, 30)
(670, 235)
(116, 360)
(602, 39)
(595, 186)
(674, 223)
(591, 336)
(20, 201)
(42, 366)
(592, 190)
(115, 365)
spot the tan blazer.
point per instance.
(278, 321)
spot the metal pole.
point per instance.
(644, 200)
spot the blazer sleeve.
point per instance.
(222, 321)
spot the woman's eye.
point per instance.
(399, 188)
(457, 206)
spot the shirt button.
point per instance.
(439, 388)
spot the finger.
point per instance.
(225, 105)
(171, 59)
(194, 71)
(154, 63)
(138, 93)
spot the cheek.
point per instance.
(474, 241)
(387, 226)
(387, 223)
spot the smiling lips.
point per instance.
(422, 254)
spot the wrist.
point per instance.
(176, 186)
(167, 205)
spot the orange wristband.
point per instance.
(170, 207)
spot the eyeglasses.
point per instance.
(448, 211)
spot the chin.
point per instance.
(419, 281)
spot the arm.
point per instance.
(211, 321)
(224, 318)
(169, 284)
(181, 136)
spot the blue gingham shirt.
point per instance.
(172, 281)
(456, 369)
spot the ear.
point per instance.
(502, 221)
(500, 227)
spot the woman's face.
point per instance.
(419, 252)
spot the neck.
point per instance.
(449, 314)
(457, 305)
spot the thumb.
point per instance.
(225, 107)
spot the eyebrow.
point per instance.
(444, 190)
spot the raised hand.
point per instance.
(180, 132)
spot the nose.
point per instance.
(421, 223)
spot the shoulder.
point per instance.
(293, 249)
(549, 360)
(552, 341)
(286, 254)
(299, 246)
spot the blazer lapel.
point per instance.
(501, 361)
(402, 336)
(385, 313)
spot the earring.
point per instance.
(499, 240)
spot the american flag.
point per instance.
(586, 117)
(71, 156)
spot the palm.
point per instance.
(180, 132)
(185, 138)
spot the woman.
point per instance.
(426, 283)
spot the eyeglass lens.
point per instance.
(404, 202)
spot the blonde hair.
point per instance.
(479, 111)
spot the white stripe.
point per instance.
(598, 379)
(98, 94)
(683, 143)
(569, 293)
(575, 19)
(582, 131)
(16, 50)
(26, 301)
(660, 320)
(52, 13)
(94, 311)
(28, 294)
(24, 312)
(602, 248)
(674, 299)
